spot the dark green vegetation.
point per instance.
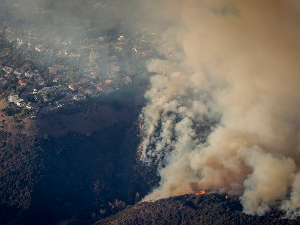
(47, 180)
(88, 177)
(84, 176)
(20, 170)
(192, 209)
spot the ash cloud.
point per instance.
(226, 104)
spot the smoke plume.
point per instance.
(223, 109)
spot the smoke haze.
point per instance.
(226, 104)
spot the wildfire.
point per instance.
(139, 150)
(202, 192)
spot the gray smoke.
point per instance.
(226, 104)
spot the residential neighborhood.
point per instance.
(53, 70)
(59, 84)
(32, 94)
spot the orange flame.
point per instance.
(201, 192)
(139, 150)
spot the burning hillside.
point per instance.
(193, 209)
(223, 110)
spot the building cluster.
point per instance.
(101, 70)
(32, 93)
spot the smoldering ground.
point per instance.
(236, 69)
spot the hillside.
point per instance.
(193, 209)
(48, 174)
(104, 103)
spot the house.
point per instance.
(59, 104)
(114, 66)
(121, 38)
(22, 82)
(83, 81)
(19, 72)
(45, 90)
(33, 31)
(127, 80)
(62, 52)
(11, 38)
(55, 78)
(10, 30)
(19, 41)
(39, 48)
(67, 42)
(94, 68)
(115, 69)
(119, 46)
(93, 56)
(94, 75)
(12, 98)
(114, 63)
(19, 102)
(38, 78)
(72, 54)
(109, 82)
(112, 74)
(101, 39)
(45, 98)
(79, 97)
(89, 91)
(134, 50)
(74, 87)
(16, 99)
(52, 70)
(104, 87)
(7, 69)
(29, 106)
(28, 74)
(57, 39)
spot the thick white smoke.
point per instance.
(227, 104)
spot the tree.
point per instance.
(137, 197)
(30, 98)
(47, 137)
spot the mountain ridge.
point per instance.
(193, 209)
